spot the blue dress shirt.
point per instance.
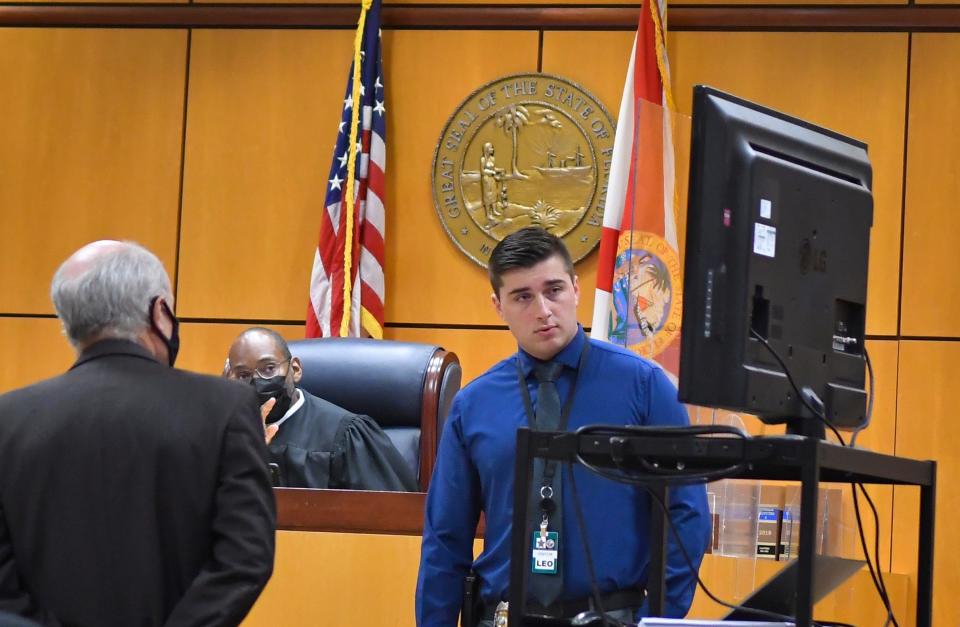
(474, 473)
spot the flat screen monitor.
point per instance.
(778, 238)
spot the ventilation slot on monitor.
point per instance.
(807, 164)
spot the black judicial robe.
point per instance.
(323, 445)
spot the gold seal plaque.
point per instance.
(524, 150)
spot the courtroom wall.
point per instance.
(211, 147)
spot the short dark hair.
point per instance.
(524, 249)
(278, 340)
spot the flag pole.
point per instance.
(351, 172)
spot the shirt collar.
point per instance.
(569, 355)
(293, 408)
(112, 346)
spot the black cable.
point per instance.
(686, 556)
(673, 431)
(698, 430)
(803, 398)
(582, 527)
(877, 576)
(863, 542)
(876, 552)
(866, 422)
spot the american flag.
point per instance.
(347, 283)
(641, 207)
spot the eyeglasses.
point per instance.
(266, 371)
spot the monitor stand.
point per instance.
(809, 427)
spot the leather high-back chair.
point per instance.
(406, 387)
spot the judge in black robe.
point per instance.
(316, 444)
(322, 445)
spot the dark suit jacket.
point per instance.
(133, 495)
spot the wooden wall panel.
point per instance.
(340, 580)
(428, 74)
(91, 123)
(842, 3)
(263, 112)
(477, 349)
(598, 62)
(927, 428)
(931, 257)
(854, 83)
(879, 436)
(854, 602)
(204, 345)
(103, 1)
(32, 349)
(452, 2)
(344, 580)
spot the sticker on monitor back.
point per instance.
(764, 240)
(766, 209)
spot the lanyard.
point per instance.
(551, 466)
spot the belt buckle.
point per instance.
(500, 614)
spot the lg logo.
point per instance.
(812, 258)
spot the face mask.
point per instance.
(173, 342)
(274, 387)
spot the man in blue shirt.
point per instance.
(535, 291)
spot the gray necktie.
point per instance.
(547, 588)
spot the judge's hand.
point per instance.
(268, 430)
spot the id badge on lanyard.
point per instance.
(545, 544)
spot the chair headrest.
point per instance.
(383, 379)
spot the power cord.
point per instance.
(876, 572)
(582, 528)
(806, 394)
(866, 423)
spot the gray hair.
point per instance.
(110, 296)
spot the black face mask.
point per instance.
(274, 387)
(173, 342)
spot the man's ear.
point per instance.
(576, 289)
(495, 301)
(296, 369)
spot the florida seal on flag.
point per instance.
(646, 296)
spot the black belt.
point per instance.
(568, 609)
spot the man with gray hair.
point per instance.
(131, 493)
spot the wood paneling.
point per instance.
(854, 602)
(343, 580)
(879, 436)
(204, 345)
(829, 79)
(32, 349)
(725, 17)
(931, 257)
(927, 428)
(351, 511)
(428, 75)
(477, 349)
(91, 123)
(92, 127)
(263, 111)
(844, 3)
(576, 55)
(340, 580)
